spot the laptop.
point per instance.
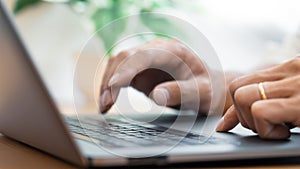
(29, 115)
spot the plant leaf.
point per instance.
(21, 4)
(104, 16)
(160, 26)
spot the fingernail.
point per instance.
(220, 125)
(105, 99)
(161, 96)
(113, 79)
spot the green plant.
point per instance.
(21, 4)
(102, 12)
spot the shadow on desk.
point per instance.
(15, 155)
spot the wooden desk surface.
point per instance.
(14, 155)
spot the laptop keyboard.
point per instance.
(124, 134)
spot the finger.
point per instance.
(272, 131)
(106, 99)
(174, 93)
(167, 94)
(240, 102)
(270, 117)
(287, 69)
(129, 68)
(261, 76)
(112, 64)
(147, 80)
(280, 89)
(190, 58)
(229, 120)
(244, 97)
(123, 70)
(105, 95)
(164, 57)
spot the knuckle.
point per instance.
(180, 47)
(257, 110)
(122, 69)
(174, 41)
(241, 96)
(294, 64)
(123, 54)
(182, 50)
(111, 60)
(233, 86)
(132, 72)
(297, 82)
(157, 41)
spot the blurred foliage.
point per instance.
(105, 11)
(21, 4)
(104, 15)
(158, 25)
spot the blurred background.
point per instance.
(245, 34)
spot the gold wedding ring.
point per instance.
(262, 91)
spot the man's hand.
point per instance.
(165, 70)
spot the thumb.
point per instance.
(167, 94)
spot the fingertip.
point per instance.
(171, 93)
(161, 96)
(105, 109)
(102, 111)
(228, 121)
(220, 126)
(105, 101)
(114, 79)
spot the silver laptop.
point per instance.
(29, 115)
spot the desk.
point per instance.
(14, 155)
